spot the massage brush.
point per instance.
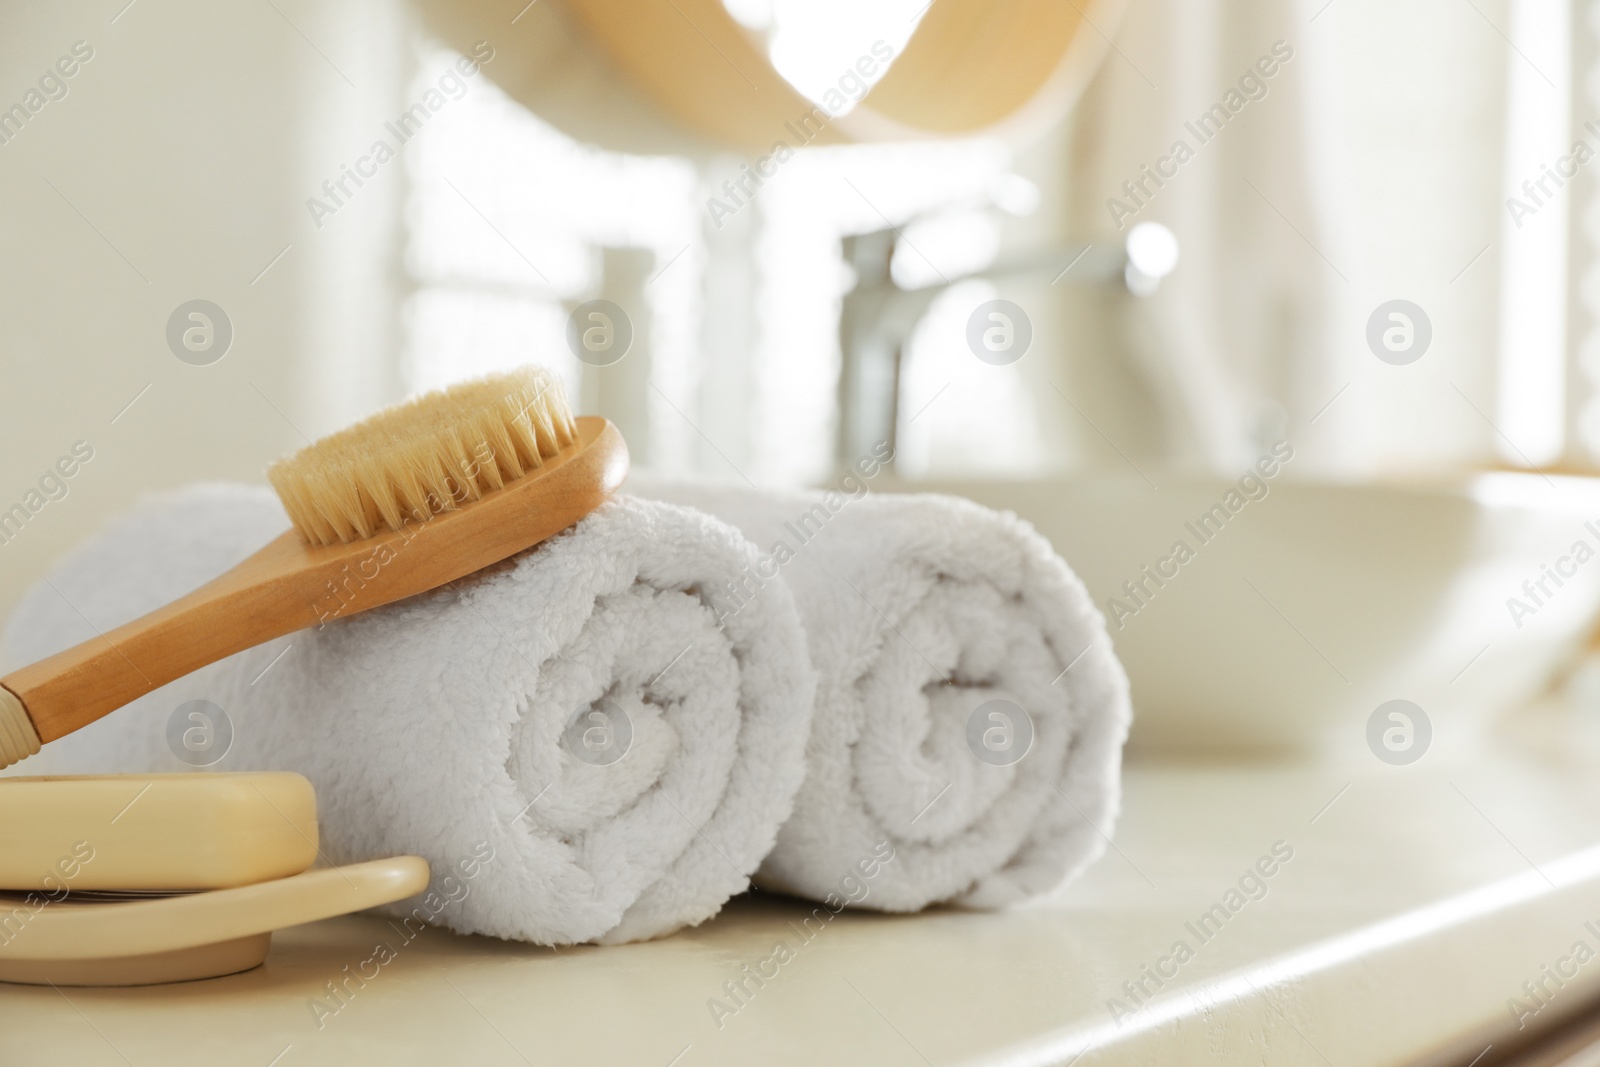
(409, 500)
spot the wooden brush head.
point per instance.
(429, 454)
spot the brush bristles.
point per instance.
(430, 454)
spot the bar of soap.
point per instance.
(154, 832)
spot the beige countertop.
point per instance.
(1417, 900)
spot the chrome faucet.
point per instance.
(878, 316)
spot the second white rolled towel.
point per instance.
(573, 727)
(970, 710)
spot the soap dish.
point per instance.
(125, 939)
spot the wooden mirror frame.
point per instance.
(684, 76)
(972, 66)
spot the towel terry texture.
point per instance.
(919, 611)
(483, 718)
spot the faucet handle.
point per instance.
(870, 255)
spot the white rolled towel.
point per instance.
(930, 620)
(483, 718)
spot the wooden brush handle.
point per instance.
(18, 739)
(290, 585)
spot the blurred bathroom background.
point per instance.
(1374, 164)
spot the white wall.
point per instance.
(186, 147)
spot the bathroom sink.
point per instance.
(1328, 599)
